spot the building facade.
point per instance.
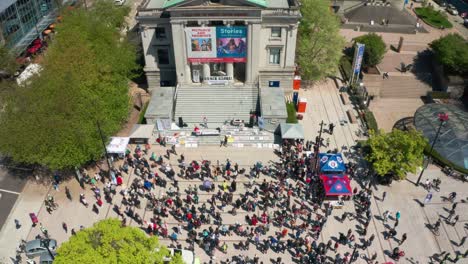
(219, 42)
(22, 21)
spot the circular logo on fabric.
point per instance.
(333, 164)
(339, 187)
(339, 159)
(324, 159)
(329, 182)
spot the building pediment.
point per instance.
(185, 4)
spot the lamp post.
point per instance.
(443, 117)
(353, 254)
(46, 244)
(104, 146)
(317, 149)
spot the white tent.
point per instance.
(292, 131)
(118, 145)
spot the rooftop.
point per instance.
(161, 4)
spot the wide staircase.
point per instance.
(405, 86)
(217, 103)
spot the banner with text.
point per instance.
(216, 44)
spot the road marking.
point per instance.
(7, 191)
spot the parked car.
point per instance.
(465, 22)
(452, 10)
(46, 258)
(37, 247)
(119, 2)
(441, 3)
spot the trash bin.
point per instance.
(301, 106)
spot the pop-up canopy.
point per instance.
(118, 145)
(331, 162)
(336, 185)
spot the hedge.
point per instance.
(432, 17)
(141, 117)
(439, 95)
(435, 155)
(345, 66)
(370, 120)
(292, 117)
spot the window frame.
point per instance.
(274, 30)
(272, 62)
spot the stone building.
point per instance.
(223, 51)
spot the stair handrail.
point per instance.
(174, 100)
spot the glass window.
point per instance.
(275, 54)
(163, 56)
(160, 33)
(276, 32)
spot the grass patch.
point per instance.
(432, 17)
(292, 116)
(370, 120)
(141, 117)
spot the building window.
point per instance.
(276, 32)
(163, 56)
(160, 33)
(275, 54)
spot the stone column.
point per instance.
(230, 71)
(206, 71)
(248, 64)
(180, 51)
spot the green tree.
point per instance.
(8, 67)
(108, 242)
(319, 45)
(397, 152)
(84, 80)
(452, 52)
(374, 51)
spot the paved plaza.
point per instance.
(324, 104)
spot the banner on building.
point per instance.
(358, 55)
(216, 44)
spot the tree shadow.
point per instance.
(422, 68)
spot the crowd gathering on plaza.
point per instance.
(290, 204)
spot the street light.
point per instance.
(317, 149)
(46, 244)
(443, 117)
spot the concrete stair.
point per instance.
(404, 86)
(217, 103)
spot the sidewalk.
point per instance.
(29, 201)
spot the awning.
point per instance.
(118, 145)
(142, 131)
(292, 131)
(331, 162)
(336, 185)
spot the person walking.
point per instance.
(454, 205)
(65, 227)
(384, 194)
(455, 220)
(403, 239)
(398, 215)
(427, 199)
(386, 214)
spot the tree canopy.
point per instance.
(374, 51)
(52, 121)
(319, 45)
(108, 242)
(452, 52)
(397, 152)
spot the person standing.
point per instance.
(403, 239)
(330, 128)
(205, 122)
(398, 215)
(65, 227)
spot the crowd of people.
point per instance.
(281, 205)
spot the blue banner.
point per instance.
(358, 55)
(231, 42)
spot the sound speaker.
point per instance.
(181, 122)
